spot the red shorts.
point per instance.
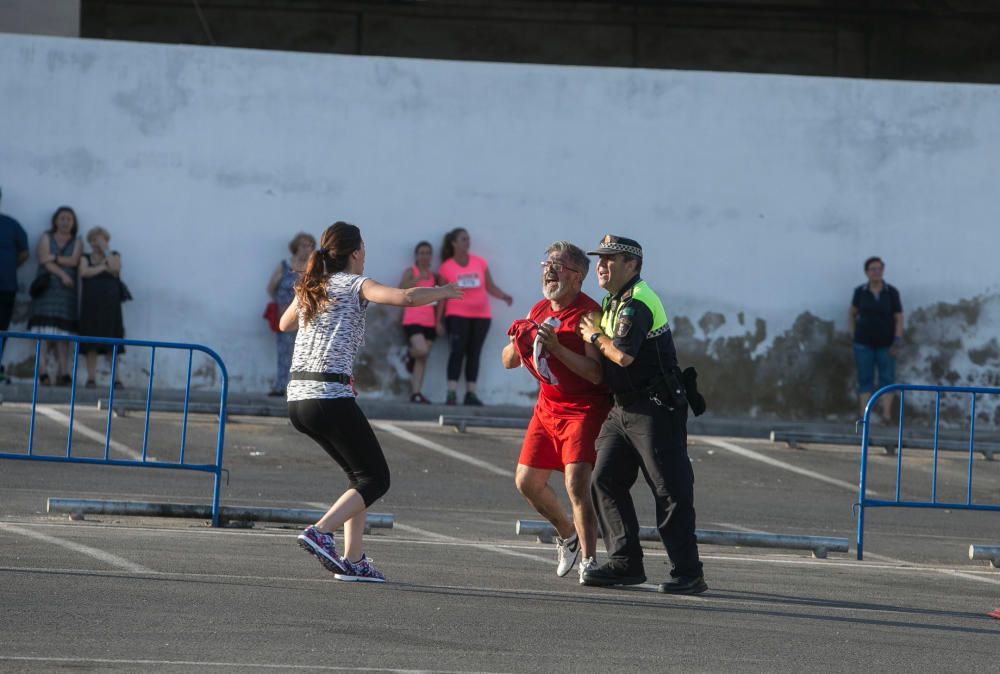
(552, 443)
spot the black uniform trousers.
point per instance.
(650, 438)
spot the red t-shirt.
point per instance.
(574, 395)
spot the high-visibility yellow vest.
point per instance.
(642, 293)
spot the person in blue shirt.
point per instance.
(875, 321)
(13, 253)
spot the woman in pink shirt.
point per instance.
(419, 323)
(467, 320)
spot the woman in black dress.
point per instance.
(54, 309)
(101, 304)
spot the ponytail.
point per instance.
(337, 244)
(448, 245)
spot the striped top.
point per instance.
(331, 340)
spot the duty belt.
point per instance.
(627, 398)
(666, 391)
(331, 377)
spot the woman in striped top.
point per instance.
(329, 311)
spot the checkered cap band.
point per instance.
(625, 248)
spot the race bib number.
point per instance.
(468, 281)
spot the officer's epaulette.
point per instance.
(628, 295)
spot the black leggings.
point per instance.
(339, 426)
(465, 339)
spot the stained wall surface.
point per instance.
(756, 198)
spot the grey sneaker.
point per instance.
(587, 564)
(567, 552)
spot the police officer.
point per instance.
(646, 429)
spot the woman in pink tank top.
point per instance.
(467, 320)
(419, 323)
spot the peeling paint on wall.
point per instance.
(805, 372)
(954, 344)
(378, 370)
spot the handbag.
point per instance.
(123, 291)
(271, 316)
(40, 284)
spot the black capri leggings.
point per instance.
(339, 426)
(465, 340)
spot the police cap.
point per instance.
(613, 245)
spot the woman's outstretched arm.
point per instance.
(373, 291)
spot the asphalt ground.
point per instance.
(464, 593)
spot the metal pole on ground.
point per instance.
(196, 511)
(991, 553)
(819, 545)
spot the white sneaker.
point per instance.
(567, 552)
(587, 564)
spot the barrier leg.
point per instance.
(861, 529)
(215, 498)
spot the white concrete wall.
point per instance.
(753, 194)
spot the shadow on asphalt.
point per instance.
(702, 604)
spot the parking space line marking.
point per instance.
(87, 432)
(961, 574)
(719, 596)
(757, 456)
(106, 557)
(441, 538)
(444, 538)
(207, 663)
(441, 449)
(737, 527)
(891, 564)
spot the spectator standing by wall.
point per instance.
(419, 323)
(281, 289)
(13, 253)
(101, 302)
(54, 309)
(466, 320)
(875, 321)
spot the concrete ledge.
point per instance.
(236, 514)
(121, 408)
(819, 545)
(793, 438)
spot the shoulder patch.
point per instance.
(623, 325)
(628, 311)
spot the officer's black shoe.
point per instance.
(613, 573)
(684, 585)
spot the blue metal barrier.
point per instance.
(214, 468)
(897, 502)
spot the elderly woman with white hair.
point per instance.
(101, 301)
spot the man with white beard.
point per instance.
(572, 404)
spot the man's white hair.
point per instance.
(575, 254)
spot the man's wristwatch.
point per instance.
(593, 338)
